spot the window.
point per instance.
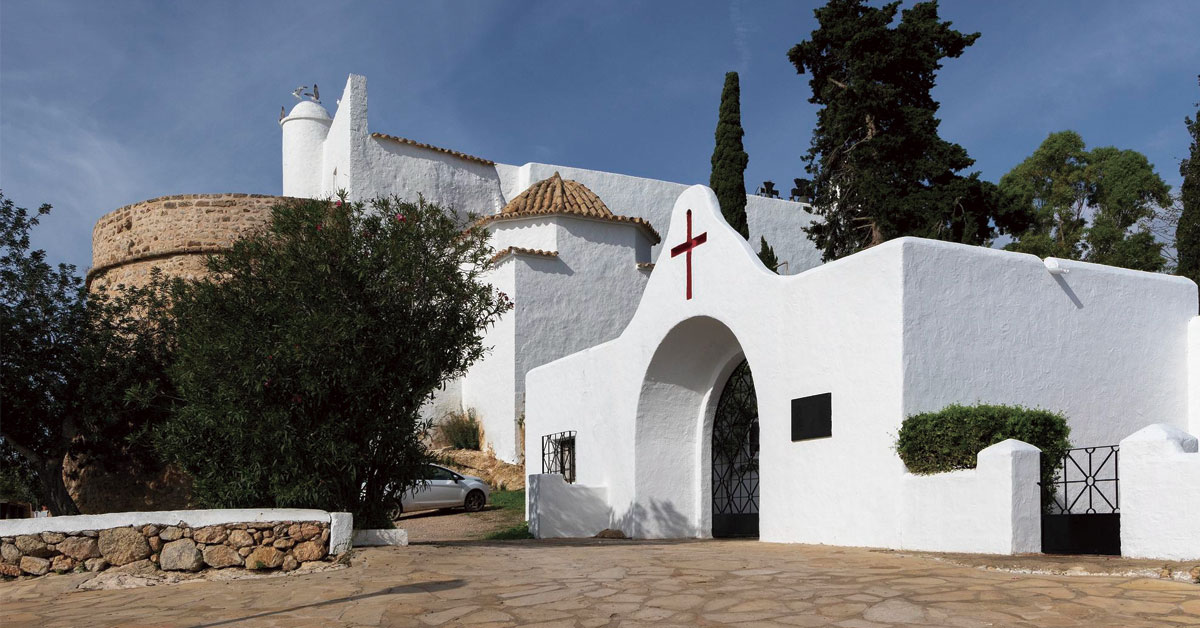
(558, 454)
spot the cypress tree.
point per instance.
(1187, 234)
(767, 256)
(729, 159)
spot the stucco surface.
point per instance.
(905, 326)
(1160, 494)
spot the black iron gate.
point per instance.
(1081, 507)
(735, 458)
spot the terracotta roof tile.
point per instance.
(559, 196)
(518, 250)
(404, 140)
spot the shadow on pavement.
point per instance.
(416, 587)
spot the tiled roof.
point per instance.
(518, 250)
(404, 140)
(559, 196)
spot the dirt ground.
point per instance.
(437, 526)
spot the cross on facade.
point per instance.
(686, 247)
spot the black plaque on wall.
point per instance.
(812, 417)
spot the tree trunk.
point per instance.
(54, 490)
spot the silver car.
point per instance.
(442, 488)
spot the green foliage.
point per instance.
(509, 500)
(729, 158)
(517, 532)
(951, 438)
(460, 430)
(880, 170)
(767, 256)
(1187, 233)
(18, 480)
(304, 359)
(1063, 181)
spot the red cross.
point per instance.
(686, 247)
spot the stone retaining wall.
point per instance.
(255, 545)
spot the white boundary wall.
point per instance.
(1160, 494)
(994, 508)
(556, 509)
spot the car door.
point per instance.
(444, 488)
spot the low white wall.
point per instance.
(193, 518)
(992, 509)
(556, 509)
(1160, 494)
(1193, 371)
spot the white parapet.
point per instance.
(192, 518)
(341, 532)
(380, 538)
(994, 508)
(1160, 494)
(560, 510)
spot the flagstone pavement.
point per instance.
(593, 583)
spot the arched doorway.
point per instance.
(735, 457)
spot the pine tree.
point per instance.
(1187, 234)
(880, 170)
(767, 256)
(729, 159)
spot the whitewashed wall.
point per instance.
(1160, 494)
(489, 384)
(562, 510)
(879, 330)
(994, 508)
(1194, 374)
(1106, 346)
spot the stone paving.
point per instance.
(620, 583)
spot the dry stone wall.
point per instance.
(173, 233)
(258, 545)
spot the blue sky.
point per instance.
(107, 103)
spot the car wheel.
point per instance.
(475, 501)
(395, 511)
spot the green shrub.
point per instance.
(950, 439)
(460, 430)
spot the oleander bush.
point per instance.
(949, 439)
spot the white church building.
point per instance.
(670, 386)
(575, 246)
(635, 433)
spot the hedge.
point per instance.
(949, 439)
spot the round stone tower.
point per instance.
(304, 133)
(173, 233)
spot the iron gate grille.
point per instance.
(1082, 506)
(558, 454)
(735, 457)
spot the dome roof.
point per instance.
(559, 196)
(308, 109)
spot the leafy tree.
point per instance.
(304, 359)
(729, 159)
(879, 168)
(1062, 182)
(42, 321)
(68, 366)
(767, 256)
(1187, 234)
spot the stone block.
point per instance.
(32, 545)
(264, 558)
(171, 533)
(62, 564)
(341, 532)
(221, 556)
(95, 564)
(34, 566)
(210, 534)
(181, 555)
(53, 537)
(308, 551)
(9, 554)
(240, 538)
(10, 571)
(121, 546)
(80, 548)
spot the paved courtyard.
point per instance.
(592, 583)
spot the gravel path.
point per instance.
(435, 526)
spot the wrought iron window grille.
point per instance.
(558, 455)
